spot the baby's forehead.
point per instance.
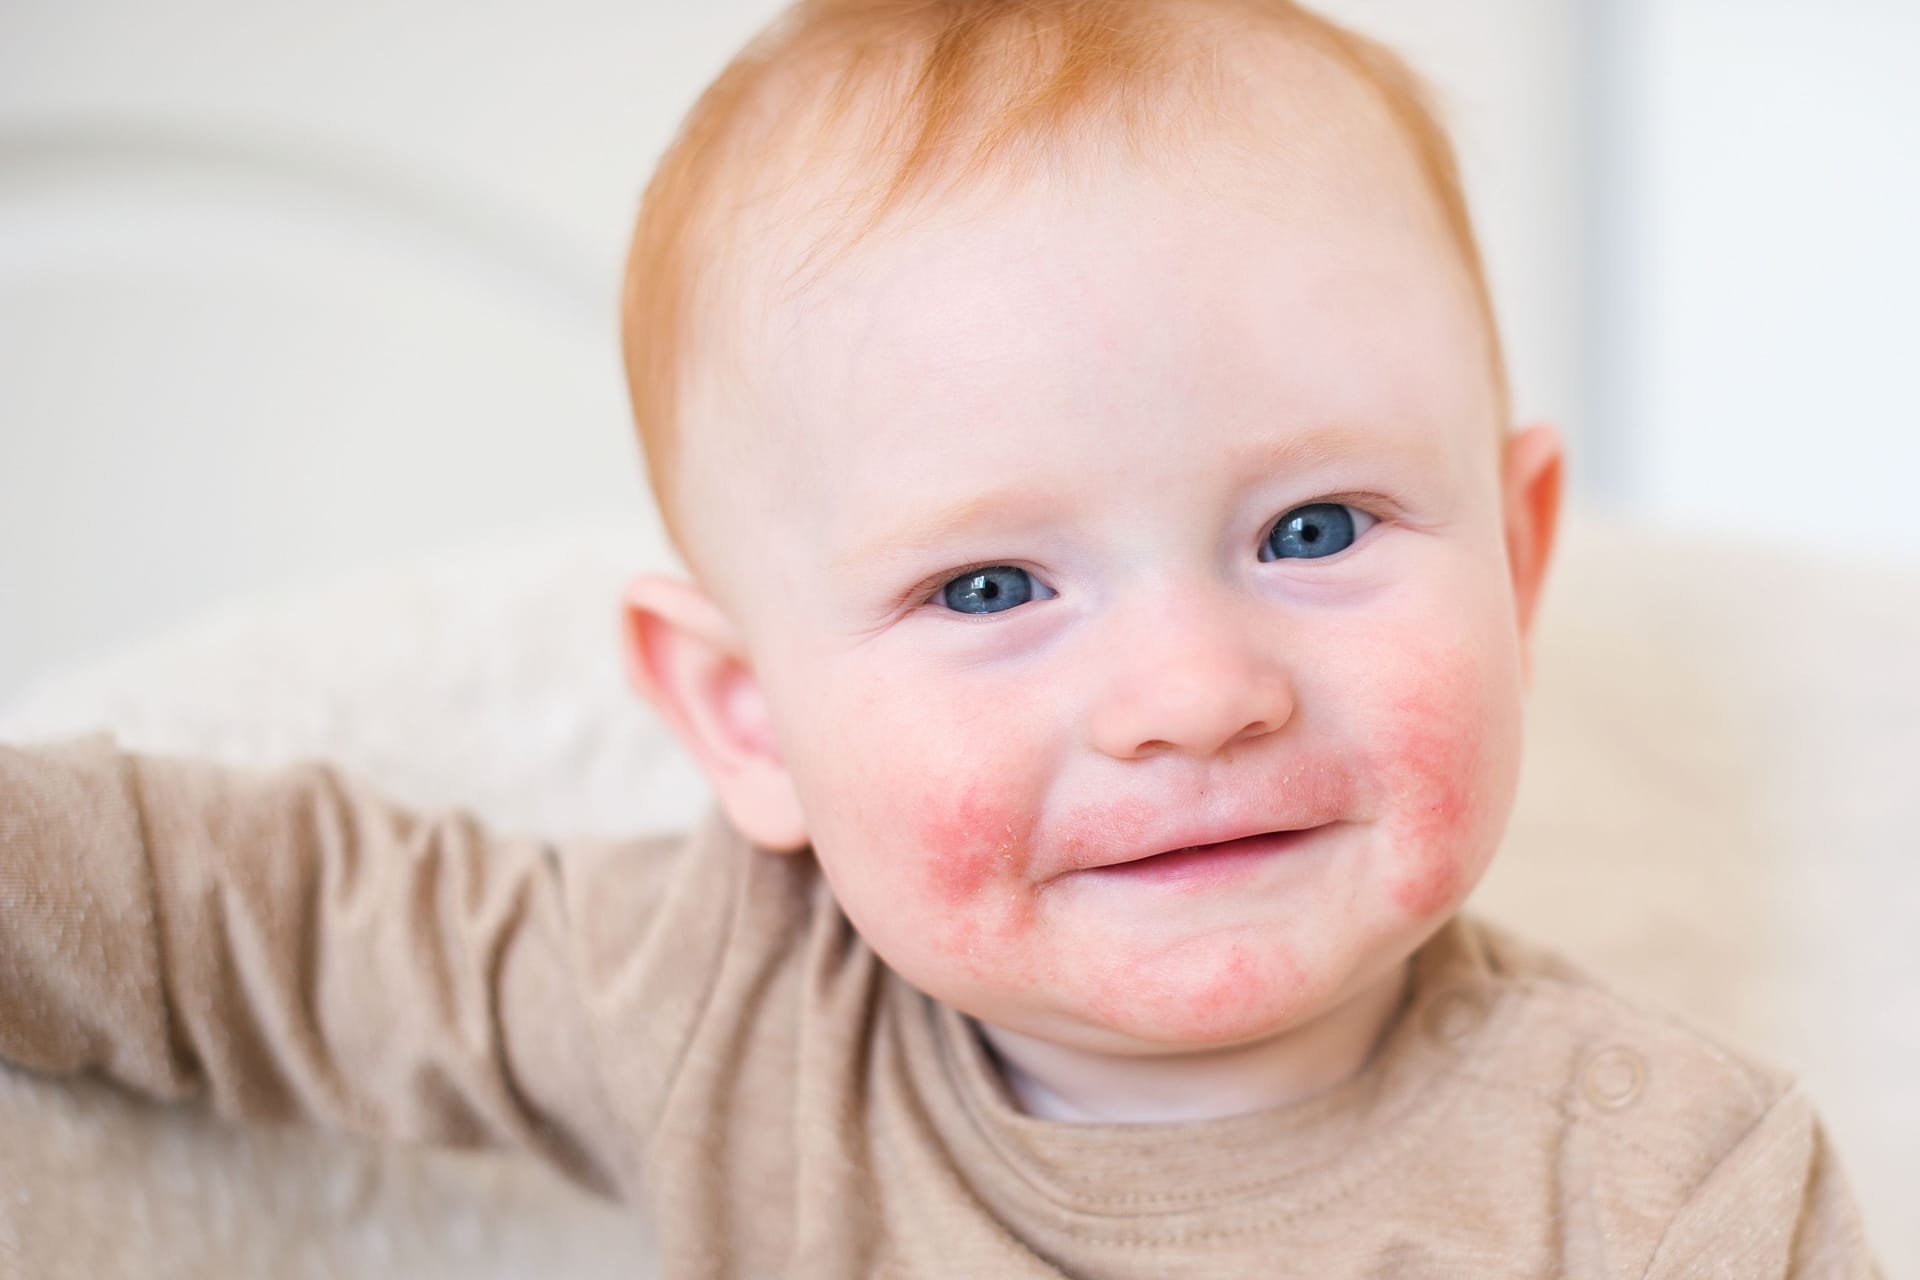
(1023, 340)
(807, 276)
(808, 238)
(962, 292)
(1282, 127)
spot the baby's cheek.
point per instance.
(1432, 862)
(960, 869)
(1441, 762)
(970, 836)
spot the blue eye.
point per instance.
(1317, 529)
(991, 590)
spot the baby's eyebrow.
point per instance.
(1305, 449)
(1301, 450)
(945, 523)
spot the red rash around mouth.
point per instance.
(974, 840)
(974, 834)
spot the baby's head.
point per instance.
(1086, 425)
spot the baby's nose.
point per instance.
(1195, 679)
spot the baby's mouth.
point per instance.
(1208, 860)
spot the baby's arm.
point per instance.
(296, 947)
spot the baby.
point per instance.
(1112, 576)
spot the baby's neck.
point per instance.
(1052, 1082)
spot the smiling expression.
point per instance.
(1090, 524)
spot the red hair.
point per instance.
(956, 92)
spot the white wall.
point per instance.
(285, 291)
(1511, 81)
(1765, 306)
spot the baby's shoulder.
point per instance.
(1647, 1145)
(1637, 1083)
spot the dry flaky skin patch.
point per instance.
(848, 115)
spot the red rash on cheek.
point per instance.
(1429, 884)
(1436, 762)
(971, 841)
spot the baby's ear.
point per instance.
(1530, 481)
(684, 655)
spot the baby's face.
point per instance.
(1091, 526)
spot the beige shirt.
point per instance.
(691, 1024)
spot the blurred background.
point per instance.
(289, 293)
(290, 290)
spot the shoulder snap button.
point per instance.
(1614, 1078)
(1454, 1015)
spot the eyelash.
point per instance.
(930, 588)
(1381, 508)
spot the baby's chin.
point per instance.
(1243, 996)
(1255, 1048)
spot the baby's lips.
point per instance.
(1198, 844)
(1297, 800)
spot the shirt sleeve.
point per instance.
(1777, 1205)
(290, 945)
